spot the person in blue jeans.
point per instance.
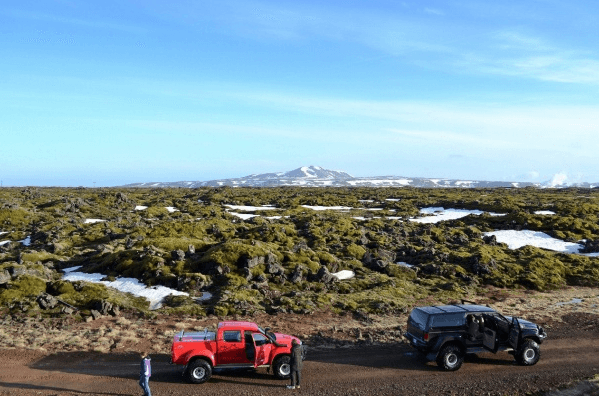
(145, 373)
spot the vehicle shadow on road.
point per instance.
(400, 357)
(127, 365)
(16, 385)
(241, 377)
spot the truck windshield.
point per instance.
(419, 318)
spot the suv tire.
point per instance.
(282, 367)
(198, 371)
(528, 354)
(450, 357)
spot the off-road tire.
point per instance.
(450, 358)
(198, 371)
(281, 367)
(528, 354)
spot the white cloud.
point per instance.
(558, 179)
(434, 11)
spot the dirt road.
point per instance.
(571, 353)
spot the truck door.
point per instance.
(514, 336)
(230, 347)
(263, 348)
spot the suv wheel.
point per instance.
(528, 354)
(282, 367)
(198, 371)
(450, 358)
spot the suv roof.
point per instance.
(456, 308)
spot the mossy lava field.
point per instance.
(277, 250)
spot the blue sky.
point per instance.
(116, 92)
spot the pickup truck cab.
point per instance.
(234, 345)
(447, 333)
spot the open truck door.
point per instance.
(262, 347)
(490, 341)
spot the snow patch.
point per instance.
(251, 208)
(327, 207)
(442, 214)
(516, 239)
(573, 301)
(171, 209)
(154, 294)
(544, 212)
(91, 221)
(244, 216)
(141, 207)
(344, 274)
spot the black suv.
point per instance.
(447, 333)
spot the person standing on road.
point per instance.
(295, 365)
(145, 373)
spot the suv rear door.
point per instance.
(417, 323)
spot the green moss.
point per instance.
(355, 251)
(25, 286)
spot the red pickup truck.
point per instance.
(233, 345)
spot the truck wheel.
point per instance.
(281, 367)
(198, 371)
(450, 358)
(528, 354)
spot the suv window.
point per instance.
(232, 336)
(444, 320)
(419, 318)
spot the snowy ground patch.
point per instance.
(91, 221)
(244, 216)
(403, 264)
(26, 241)
(544, 212)
(516, 239)
(327, 207)
(442, 214)
(344, 274)
(171, 209)
(573, 301)
(4, 242)
(251, 208)
(154, 294)
(141, 207)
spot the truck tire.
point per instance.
(450, 357)
(281, 367)
(198, 371)
(528, 354)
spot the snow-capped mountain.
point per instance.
(315, 176)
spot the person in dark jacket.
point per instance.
(295, 365)
(144, 374)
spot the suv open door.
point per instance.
(515, 331)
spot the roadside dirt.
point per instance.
(349, 355)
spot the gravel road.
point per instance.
(571, 353)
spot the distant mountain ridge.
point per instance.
(316, 176)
